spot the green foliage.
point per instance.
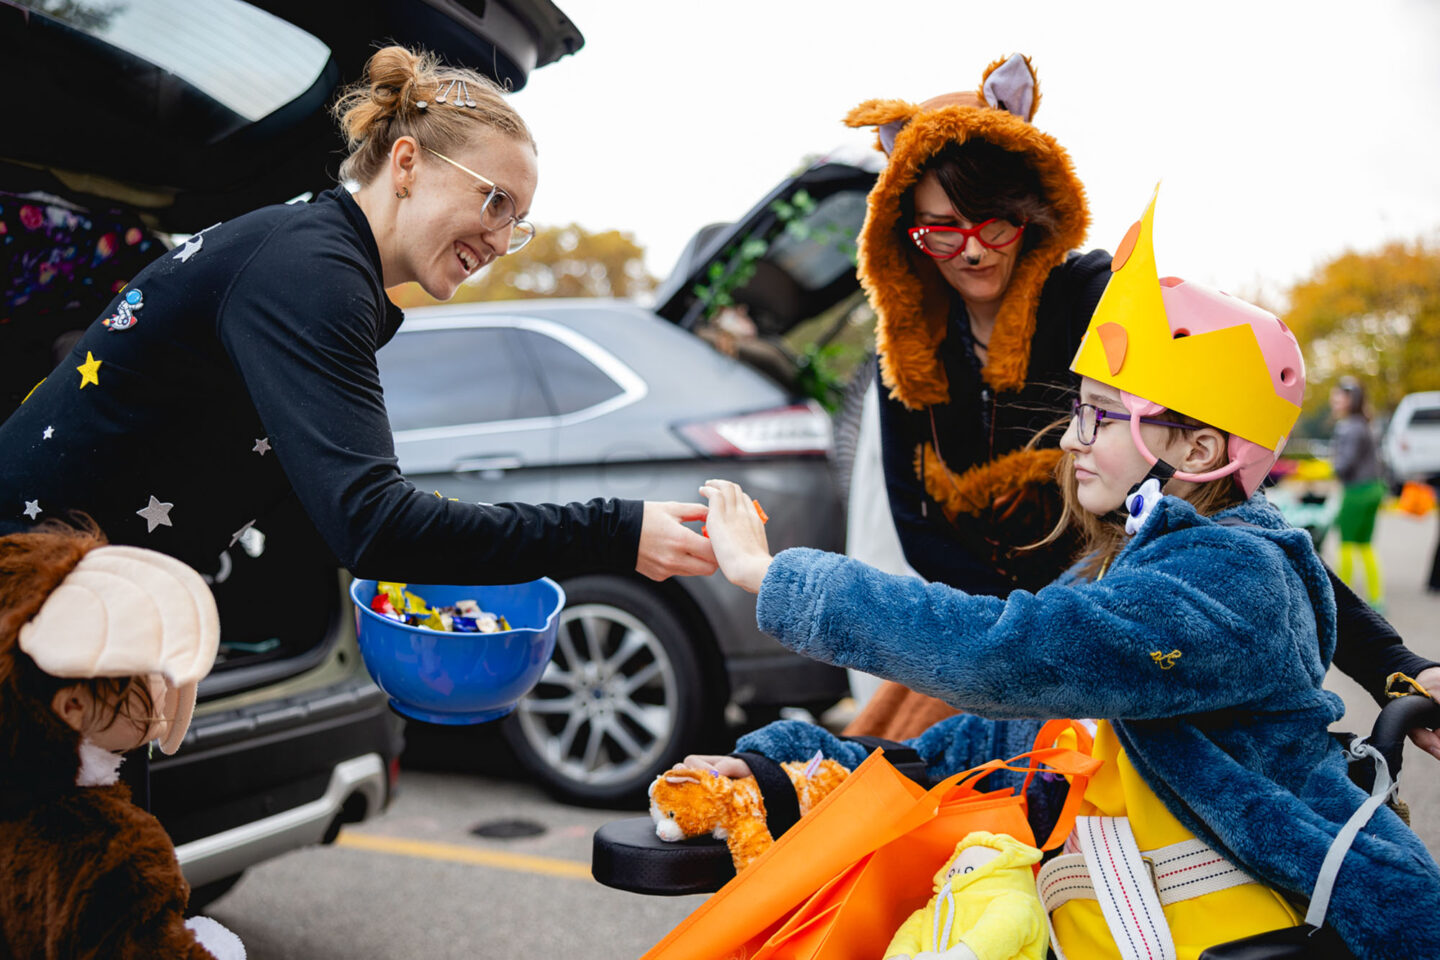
(821, 366)
(1375, 316)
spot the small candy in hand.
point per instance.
(764, 518)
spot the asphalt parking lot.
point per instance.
(417, 882)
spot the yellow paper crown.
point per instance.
(1219, 376)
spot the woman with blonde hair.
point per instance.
(239, 370)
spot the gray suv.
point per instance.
(555, 400)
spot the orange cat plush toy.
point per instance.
(691, 803)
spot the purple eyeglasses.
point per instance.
(1088, 418)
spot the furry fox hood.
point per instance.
(910, 298)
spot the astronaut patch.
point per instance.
(124, 317)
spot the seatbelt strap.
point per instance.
(1122, 882)
(1182, 871)
(1335, 856)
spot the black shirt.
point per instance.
(239, 369)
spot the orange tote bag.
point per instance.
(857, 913)
(860, 862)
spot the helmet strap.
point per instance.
(1143, 496)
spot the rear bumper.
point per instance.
(254, 782)
(229, 852)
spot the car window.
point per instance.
(249, 60)
(443, 378)
(1425, 416)
(573, 381)
(822, 247)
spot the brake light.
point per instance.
(798, 430)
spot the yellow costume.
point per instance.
(984, 897)
(1218, 917)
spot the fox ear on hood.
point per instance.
(888, 116)
(1010, 84)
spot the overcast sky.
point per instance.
(1284, 132)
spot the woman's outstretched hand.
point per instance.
(668, 548)
(737, 533)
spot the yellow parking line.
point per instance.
(461, 854)
(458, 854)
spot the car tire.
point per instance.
(622, 699)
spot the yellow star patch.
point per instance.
(89, 370)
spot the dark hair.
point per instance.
(37, 748)
(984, 181)
(1354, 392)
(384, 105)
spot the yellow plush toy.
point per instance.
(985, 906)
(691, 803)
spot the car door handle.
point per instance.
(488, 466)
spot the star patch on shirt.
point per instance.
(156, 514)
(89, 370)
(32, 509)
(262, 446)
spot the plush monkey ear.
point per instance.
(1011, 85)
(124, 612)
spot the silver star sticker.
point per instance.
(235, 537)
(156, 514)
(32, 509)
(261, 446)
(49, 432)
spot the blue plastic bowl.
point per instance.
(459, 678)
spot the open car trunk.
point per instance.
(777, 288)
(135, 121)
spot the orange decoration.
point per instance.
(1127, 246)
(1114, 339)
(759, 510)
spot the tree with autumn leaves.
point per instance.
(1375, 316)
(567, 261)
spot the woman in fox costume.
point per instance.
(969, 257)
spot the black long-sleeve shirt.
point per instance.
(239, 369)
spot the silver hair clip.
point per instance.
(463, 100)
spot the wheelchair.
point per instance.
(627, 855)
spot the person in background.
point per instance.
(1356, 460)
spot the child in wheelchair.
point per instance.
(1198, 628)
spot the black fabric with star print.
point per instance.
(241, 371)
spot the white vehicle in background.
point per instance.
(1411, 446)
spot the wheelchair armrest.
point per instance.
(627, 855)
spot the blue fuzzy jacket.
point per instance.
(1233, 737)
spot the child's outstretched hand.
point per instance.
(737, 534)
